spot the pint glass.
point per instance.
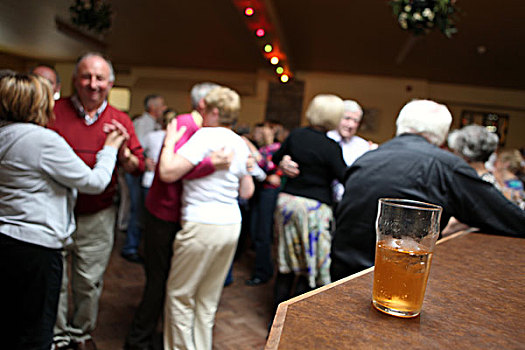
(407, 232)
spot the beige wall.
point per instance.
(175, 85)
(505, 101)
(382, 95)
(386, 96)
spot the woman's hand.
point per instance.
(150, 164)
(250, 163)
(128, 161)
(171, 165)
(115, 139)
(173, 135)
(116, 134)
(254, 151)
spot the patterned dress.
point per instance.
(303, 225)
(513, 190)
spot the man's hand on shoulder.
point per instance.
(289, 167)
(372, 145)
(221, 160)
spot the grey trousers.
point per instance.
(90, 252)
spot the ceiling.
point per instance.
(346, 36)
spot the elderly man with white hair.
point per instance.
(353, 146)
(412, 166)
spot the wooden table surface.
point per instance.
(475, 299)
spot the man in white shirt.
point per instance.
(352, 145)
(154, 107)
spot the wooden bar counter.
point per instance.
(475, 299)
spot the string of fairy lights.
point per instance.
(260, 23)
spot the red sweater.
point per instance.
(87, 140)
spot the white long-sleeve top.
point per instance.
(39, 177)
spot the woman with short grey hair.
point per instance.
(475, 144)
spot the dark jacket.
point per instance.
(410, 167)
(320, 161)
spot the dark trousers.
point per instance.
(136, 209)
(338, 269)
(31, 276)
(262, 232)
(158, 249)
(289, 285)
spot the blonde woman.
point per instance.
(303, 215)
(39, 178)
(211, 221)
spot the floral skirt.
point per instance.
(303, 227)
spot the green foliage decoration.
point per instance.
(93, 15)
(422, 16)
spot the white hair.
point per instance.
(95, 54)
(428, 118)
(352, 106)
(199, 91)
(473, 142)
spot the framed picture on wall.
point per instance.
(285, 103)
(370, 117)
(497, 123)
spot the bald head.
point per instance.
(93, 78)
(50, 74)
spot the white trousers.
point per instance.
(202, 255)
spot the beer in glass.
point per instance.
(406, 234)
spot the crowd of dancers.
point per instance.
(194, 184)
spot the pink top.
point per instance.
(164, 199)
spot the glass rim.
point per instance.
(410, 204)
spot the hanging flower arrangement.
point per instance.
(93, 15)
(421, 16)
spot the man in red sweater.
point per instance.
(80, 120)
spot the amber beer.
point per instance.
(400, 279)
(407, 231)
